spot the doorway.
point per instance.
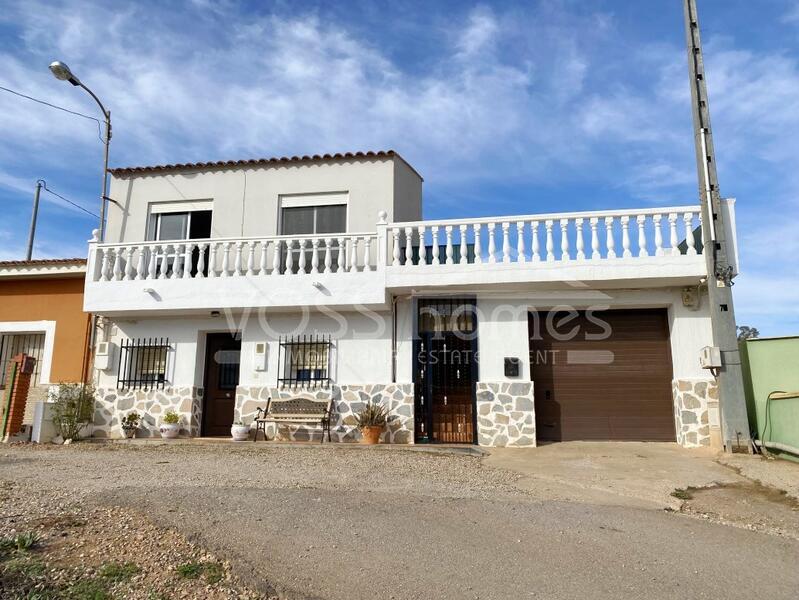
(445, 373)
(222, 358)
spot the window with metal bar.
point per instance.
(31, 344)
(304, 361)
(143, 363)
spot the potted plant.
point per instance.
(371, 421)
(240, 432)
(170, 425)
(130, 423)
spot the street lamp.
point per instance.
(63, 73)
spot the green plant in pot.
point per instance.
(371, 421)
(170, 425)
(130, 423)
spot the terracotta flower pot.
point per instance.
(371, 435)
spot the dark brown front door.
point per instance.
(603, 376)
(222, 353)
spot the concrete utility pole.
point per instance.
(34, 216)
(734, 420)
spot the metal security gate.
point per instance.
(31, 344)
(446, 372)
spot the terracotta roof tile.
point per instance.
(224, 164)
(40, 262)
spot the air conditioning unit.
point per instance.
(104, 355)
(259, 356)
(710, 357)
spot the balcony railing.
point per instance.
(273, 256)
(548, 238)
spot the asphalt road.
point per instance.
(313, 523)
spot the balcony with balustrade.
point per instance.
(619, 248)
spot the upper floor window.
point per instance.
(310, 220)
(179, 221)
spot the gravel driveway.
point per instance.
(335, 522)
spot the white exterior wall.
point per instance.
(361, 345)
(246, 200)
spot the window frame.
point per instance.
(140, 354)
(315, 372)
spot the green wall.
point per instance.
(772, 364)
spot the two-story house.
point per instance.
(221, 285)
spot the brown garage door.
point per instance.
(617, 388)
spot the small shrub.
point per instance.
(190, 570)
(73, 408)
(88, 589)
(372, 415)
(682, 494)
(214, 573)
(118, 571)
(171, 417)
(131, 420)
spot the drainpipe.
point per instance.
(393, 339)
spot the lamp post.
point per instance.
(62, 72)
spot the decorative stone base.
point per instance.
(111, 405)
(348, 400)
(696, 405)
(505, 414)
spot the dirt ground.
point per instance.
(265, 521)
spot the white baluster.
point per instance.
(642, 250)
(448, 249)
(277, 247)
(367, 259)
(225, 270)
(492, 245)
(409, 246)
(118, 263)
(262, 264)
(201, 260)
(129, 264)
(610, 240)
(520, 249)
(341, 257)
(175, 274)
(506, 242)
(251, 258)
(564, 240)
(673, 242)
(164, 252)
(395, 251)
(315, 255)
(237, 264)
(152, 272)
(328, 256)
(595, 254)
(478, 246)
(550, 242)
(689, 234)
(625, 236)
(302, 262)
(578, 227)
(658, 235)
(422, 245)
(535, 242)
(140, 265)
(187, 261)
(464, 247)
(212, 259)
(353, 255)
(434, 230)
(289, 257)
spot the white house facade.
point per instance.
(221, 285)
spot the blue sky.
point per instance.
(505, 107)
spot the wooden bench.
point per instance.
(294, 411)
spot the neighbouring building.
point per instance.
(41, 314)
(220, 285)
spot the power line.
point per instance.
(66, 110)
(78, 206)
